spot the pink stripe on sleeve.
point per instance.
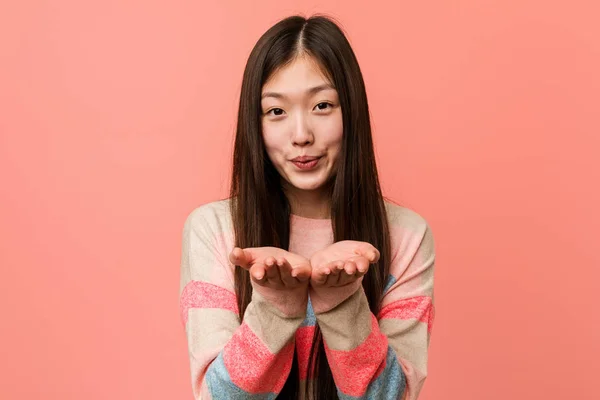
(419, 308)
(252, 367)
(353, 370)
(304, 337)
(197, 294)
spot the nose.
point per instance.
(302, 133)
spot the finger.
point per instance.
(350, 267)
(341, 268)
(272, 269)
(319, 276)
(301, 273)
(349, 274)
(258, 273)
(332, 279)
(336, 267)
(362, 265)
(369, 252)
(285, 272)
(371, 255)
(238, 257)
(377, 255)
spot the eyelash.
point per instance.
(323, 102)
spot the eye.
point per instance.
(324, 105)
(276, 111)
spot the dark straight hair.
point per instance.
(259, 208)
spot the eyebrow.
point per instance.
(310, 91)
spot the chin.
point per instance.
(303, 185)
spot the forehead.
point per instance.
(299, 74)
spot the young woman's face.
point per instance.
(301, 117)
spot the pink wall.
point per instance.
(116, 119)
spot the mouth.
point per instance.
(304, 159)
(306, 163)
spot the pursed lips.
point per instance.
(305, 158)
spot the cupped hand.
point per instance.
(342, 263)
(273, 267)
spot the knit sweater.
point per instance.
(381, 356)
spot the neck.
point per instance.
(309, 203)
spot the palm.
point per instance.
(279, 276)
(337, 272)
(259, 255)
(272, 266)
(345, 250)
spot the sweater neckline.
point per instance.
(304, 222)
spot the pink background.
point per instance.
(117, 119)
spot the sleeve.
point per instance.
(229, 359)
(385, 356)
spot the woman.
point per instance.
(306, 283)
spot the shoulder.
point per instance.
(207, 241)
(413, 253)
(400, 217)
(209, 217)
(409, 231)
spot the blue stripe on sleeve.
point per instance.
(220, 385)
(389, 385)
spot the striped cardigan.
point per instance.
(380, 356)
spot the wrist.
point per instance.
(290, 303)
(324, 299)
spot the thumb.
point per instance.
(369, 252)
(239, 257)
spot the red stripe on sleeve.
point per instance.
(252, 367)
(304, 338)
(197, 294)
(353, 370)
(419, 308)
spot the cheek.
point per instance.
(273, 143)
(332, 132)
(332, 138)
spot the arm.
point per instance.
(384, 357)
(229, 359)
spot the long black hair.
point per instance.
(259, 208)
